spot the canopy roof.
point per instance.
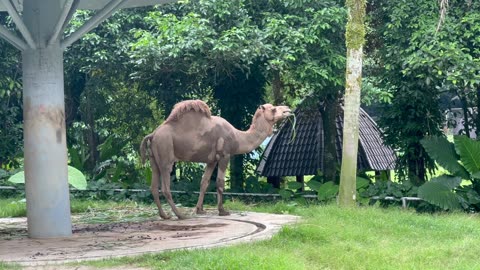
(305, 154)
(95, 4)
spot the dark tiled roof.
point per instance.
(304, 155)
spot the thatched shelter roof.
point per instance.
(304, 155)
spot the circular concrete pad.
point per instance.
(98, 241)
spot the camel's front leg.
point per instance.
(203, 188)
(222, 167)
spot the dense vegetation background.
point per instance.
(122, 79)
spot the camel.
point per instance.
(191, 133)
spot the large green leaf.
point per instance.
(313, 185)
(294, 185)
(469, 151)
(440, 195)
(18, 178)
(362, 182)
(450, 182)
(285, 194)
(472, 197)
(327, 191)
(75, 178)
(443, 152)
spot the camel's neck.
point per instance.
(259, 130)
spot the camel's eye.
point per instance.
(274, 110)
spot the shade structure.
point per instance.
(304, 155)
(94, 4)
(40, 38)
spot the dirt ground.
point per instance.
(98, 241)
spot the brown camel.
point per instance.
(191, 133)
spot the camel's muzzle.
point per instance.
(287, 113)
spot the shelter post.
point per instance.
(47, 191)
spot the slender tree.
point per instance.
(355, 38)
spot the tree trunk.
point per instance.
(236, 173)
(416, 169)
(355, 38)
(277, 87)
(92, 137)
(477, 114)
(329, 118)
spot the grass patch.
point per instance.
(330, 237)
(92, 211)
(13, 207)
(9, 266)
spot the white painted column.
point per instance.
(47, 191)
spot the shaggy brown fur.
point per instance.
(188, 105)
(190, 133)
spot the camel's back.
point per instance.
(195, 137)
(189, 106)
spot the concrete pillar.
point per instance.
(47, 191)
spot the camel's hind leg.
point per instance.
(165, 175)
(222, 167)
(154, 188)
(203, 187)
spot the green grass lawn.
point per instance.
(329, 237)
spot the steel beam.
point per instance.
(62, 20)
(98, 18)
(12, 11)
(12, 38)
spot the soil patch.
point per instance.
(107, 240)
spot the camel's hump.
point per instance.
(186, 106)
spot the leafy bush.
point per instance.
(462, 160)
(325, 191)
(75, 178)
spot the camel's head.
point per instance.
(274, 114)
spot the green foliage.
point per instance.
(286, 194)
(294, 185)
(75, 178)
(327, 191)
(416, 63)
(254, 185)
(314, 183)
(469, 152)
(11, 127)
(362, 183)
(372, 94)
(439, 191)
(443, 152)
(384, 189)
(13, 207)
(445, 191)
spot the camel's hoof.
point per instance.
(200, 212)
(223, 213)
(164, 216)
(181, 217)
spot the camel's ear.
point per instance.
(262, 107)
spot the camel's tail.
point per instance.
(143, 147)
